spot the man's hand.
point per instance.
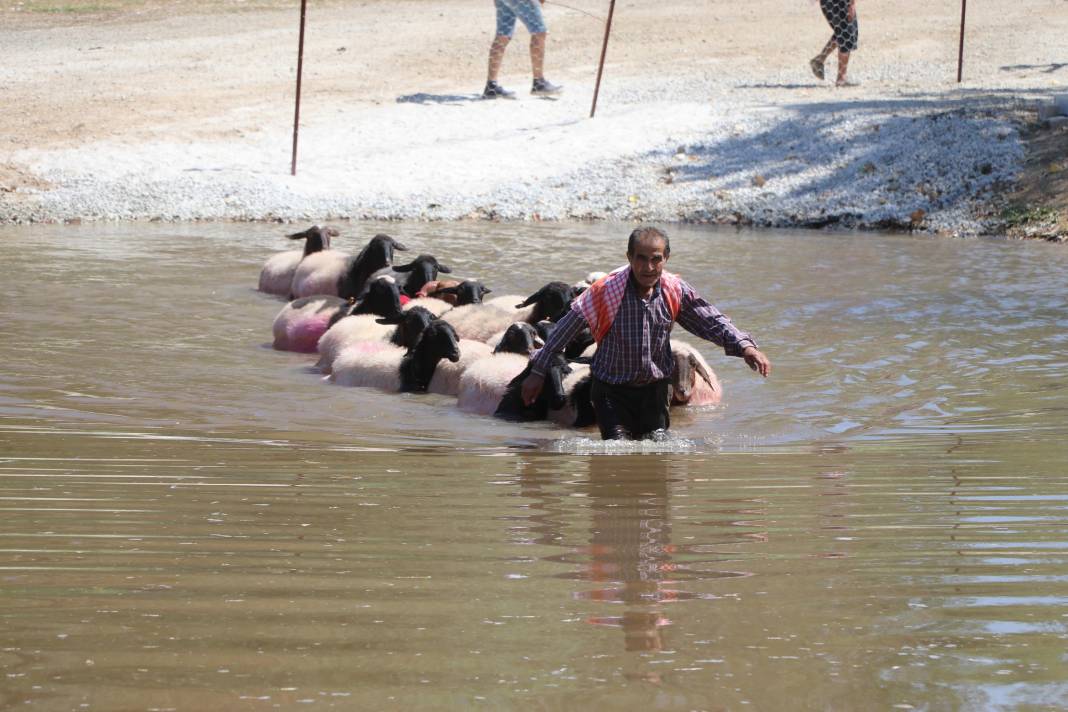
(753, 356)
(531, 388)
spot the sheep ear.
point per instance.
(398, 246)
(531, 299)
(332, 231)
(395, 319)
(702, 372)
(403, 268)
(485, 290)
(302, 235)
(444, 268)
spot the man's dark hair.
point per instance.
(647, 233)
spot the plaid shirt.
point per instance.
(637, 349)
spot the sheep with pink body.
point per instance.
(276, 277)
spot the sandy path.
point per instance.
(148, 72)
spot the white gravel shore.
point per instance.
(720, 143)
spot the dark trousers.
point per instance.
(630, 412)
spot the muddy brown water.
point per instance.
(191, 520)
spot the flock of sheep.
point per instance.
(399, 328)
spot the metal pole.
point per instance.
(604, 50)
(960, 54)
(300, 70)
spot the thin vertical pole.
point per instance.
(960, 53)
(604, 50)
(300, 70)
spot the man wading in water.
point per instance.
(631, 312)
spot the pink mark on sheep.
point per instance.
(304, 334)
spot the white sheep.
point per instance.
(435, 306)
(343, 275)
(402, 331)
(389, 368)
(276, 277)
(446, 380)
(478, 321)
(301, 322)
(694, 382)
(483, 384)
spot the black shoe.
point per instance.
(543, 87)
(494, 90)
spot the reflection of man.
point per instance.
(630, 313)
(630, 547)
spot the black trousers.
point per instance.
(630, 412)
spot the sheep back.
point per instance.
(435, 306)
(369, 364)
(358, 327)
(446, 380)
(318, 273)
(478, 321)
(302, 322)
(483, 384)
(277, 273)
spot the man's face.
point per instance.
(647, 261)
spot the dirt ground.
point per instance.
(73, 72)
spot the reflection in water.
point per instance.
(193, 521)
(630, 557)
(630, 551)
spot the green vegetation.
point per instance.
(1019, 215)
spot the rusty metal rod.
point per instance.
(604, 51)
(300, 70)
(960, 53)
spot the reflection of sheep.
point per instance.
(387, 369)
(414, 275)
(334, 273)
(302, 322)
(400, 330)
(276, 277)
(693, 382)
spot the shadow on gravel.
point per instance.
(890, 160)
(1042, 68)
(424, 98)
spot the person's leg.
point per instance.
(655, 416)
(537, 55)
(496, 56)
(827, 49)
(613, 418)
(816, 63)
(843, 65)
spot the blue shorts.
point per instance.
(529, 11)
